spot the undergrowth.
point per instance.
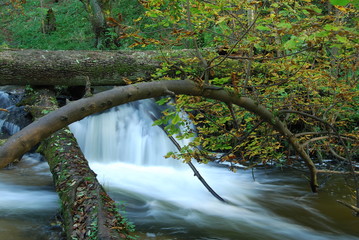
(22, 26)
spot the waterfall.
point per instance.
(13, 120)
(5, 100)
(163, 197)
(125, 134)
(5, 126)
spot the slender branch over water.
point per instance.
(194, 169)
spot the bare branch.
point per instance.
(194, 169)
(352, 207)
(323, 171)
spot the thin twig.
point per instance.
(195, 171)
(352, 207)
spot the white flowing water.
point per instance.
(27, 200)
(163, 197)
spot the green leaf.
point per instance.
(292, 43)
(284, 25)
(342, 39)
(316, 9)
(176, 119)
(158, 122)
(275, 5)
(322, 34)
(220, 20)
(330, 27)
(339, 2)
(263, 28)
(162, 101)
(220, 81)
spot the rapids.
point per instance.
(163, 197)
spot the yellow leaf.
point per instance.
(341, 8)
(221, 19)
(138, 19)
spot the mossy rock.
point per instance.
(2, 141)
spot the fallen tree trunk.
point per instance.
(87, 211)
(73, 68)
(100, 68)
(22, 141)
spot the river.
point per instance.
(165, 200)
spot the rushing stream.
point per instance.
(27, 197)
(164, 199)
(27, 200)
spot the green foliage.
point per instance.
(297, 55)
(345, 2)
(339, 2)
(3, 46)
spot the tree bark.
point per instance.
(22, 141)
(87, 211)
(48, 24)
(73, 68)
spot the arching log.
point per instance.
(24, 140)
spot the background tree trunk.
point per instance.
(49, 22)
(99, 11)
